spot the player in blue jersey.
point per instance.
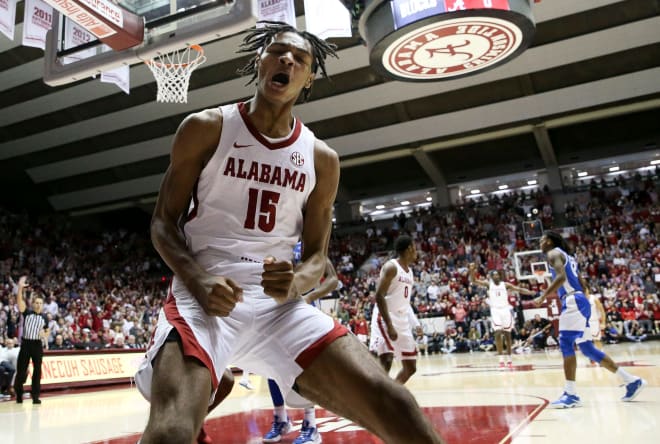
(309, 433)
(574, 321)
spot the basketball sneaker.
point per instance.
(566, 401)
(502, 365)
(509, 365)
(277, 430)
(308, 435)
(633, 389)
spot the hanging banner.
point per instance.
(8, 17)
(327, 18)
(277, 11)
(120, 76)
(75, 35)
(37, 21)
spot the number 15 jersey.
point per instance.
(249, 199)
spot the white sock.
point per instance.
(310, 416)
(570, 387)
(509, 359)
(501, 358)
(625, 376)
(280, 412)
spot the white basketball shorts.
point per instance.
(274, 340)
(405, 346)
(502, 318)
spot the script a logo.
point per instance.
(238, 145)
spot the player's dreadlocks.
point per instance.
(558, 241)
(258, 38)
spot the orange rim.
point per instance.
(200, 54)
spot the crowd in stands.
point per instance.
(104, 289)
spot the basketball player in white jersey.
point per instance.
(500, 310)
(574, 322)
(245, 182)
(393, 336)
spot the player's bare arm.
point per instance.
(280, 281)
(20, 299)
(556, 261)
(194, 143)
(472, 275)
(585, 286)
(388, 274)
(329, 283)
(520, 290)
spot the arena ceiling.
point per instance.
(587, 89)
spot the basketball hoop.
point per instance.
(540, 276)
(172, 72)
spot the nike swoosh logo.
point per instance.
(237, 145)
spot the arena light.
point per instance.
(475, 191)
(655, 162)
(380, 207)
(405, 202)
(614, 168)
(503, 187)
(582, 173)
(532, 182)
(429, 199)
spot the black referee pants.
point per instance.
(30, 349)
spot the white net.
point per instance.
(172, 72)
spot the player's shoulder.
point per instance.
(322, 151)
(210, 117)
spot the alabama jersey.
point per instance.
(498, 296)
(398, 306)
(398, 293)
(257, 190)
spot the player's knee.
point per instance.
(590, 351)
(566, 345)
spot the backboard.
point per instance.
(528, 263)
(169, 25)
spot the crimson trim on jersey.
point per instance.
(242, 108)
(195, 198)
(412, 353)
(383, 332)
(191, 346)
(307, 356)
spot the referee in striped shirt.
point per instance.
(35, 328)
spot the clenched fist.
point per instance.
(277, 279)
(217, 295)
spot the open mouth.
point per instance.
(281, 79)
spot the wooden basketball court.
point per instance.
(468, 399)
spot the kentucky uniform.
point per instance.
(500, 309)
(247, 204)
(398, 305)
(575, 307)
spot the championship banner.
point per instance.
(327, 18)
(278, 11)
(8, 17)
(75, 35)
(37, 21)
(89, 367)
